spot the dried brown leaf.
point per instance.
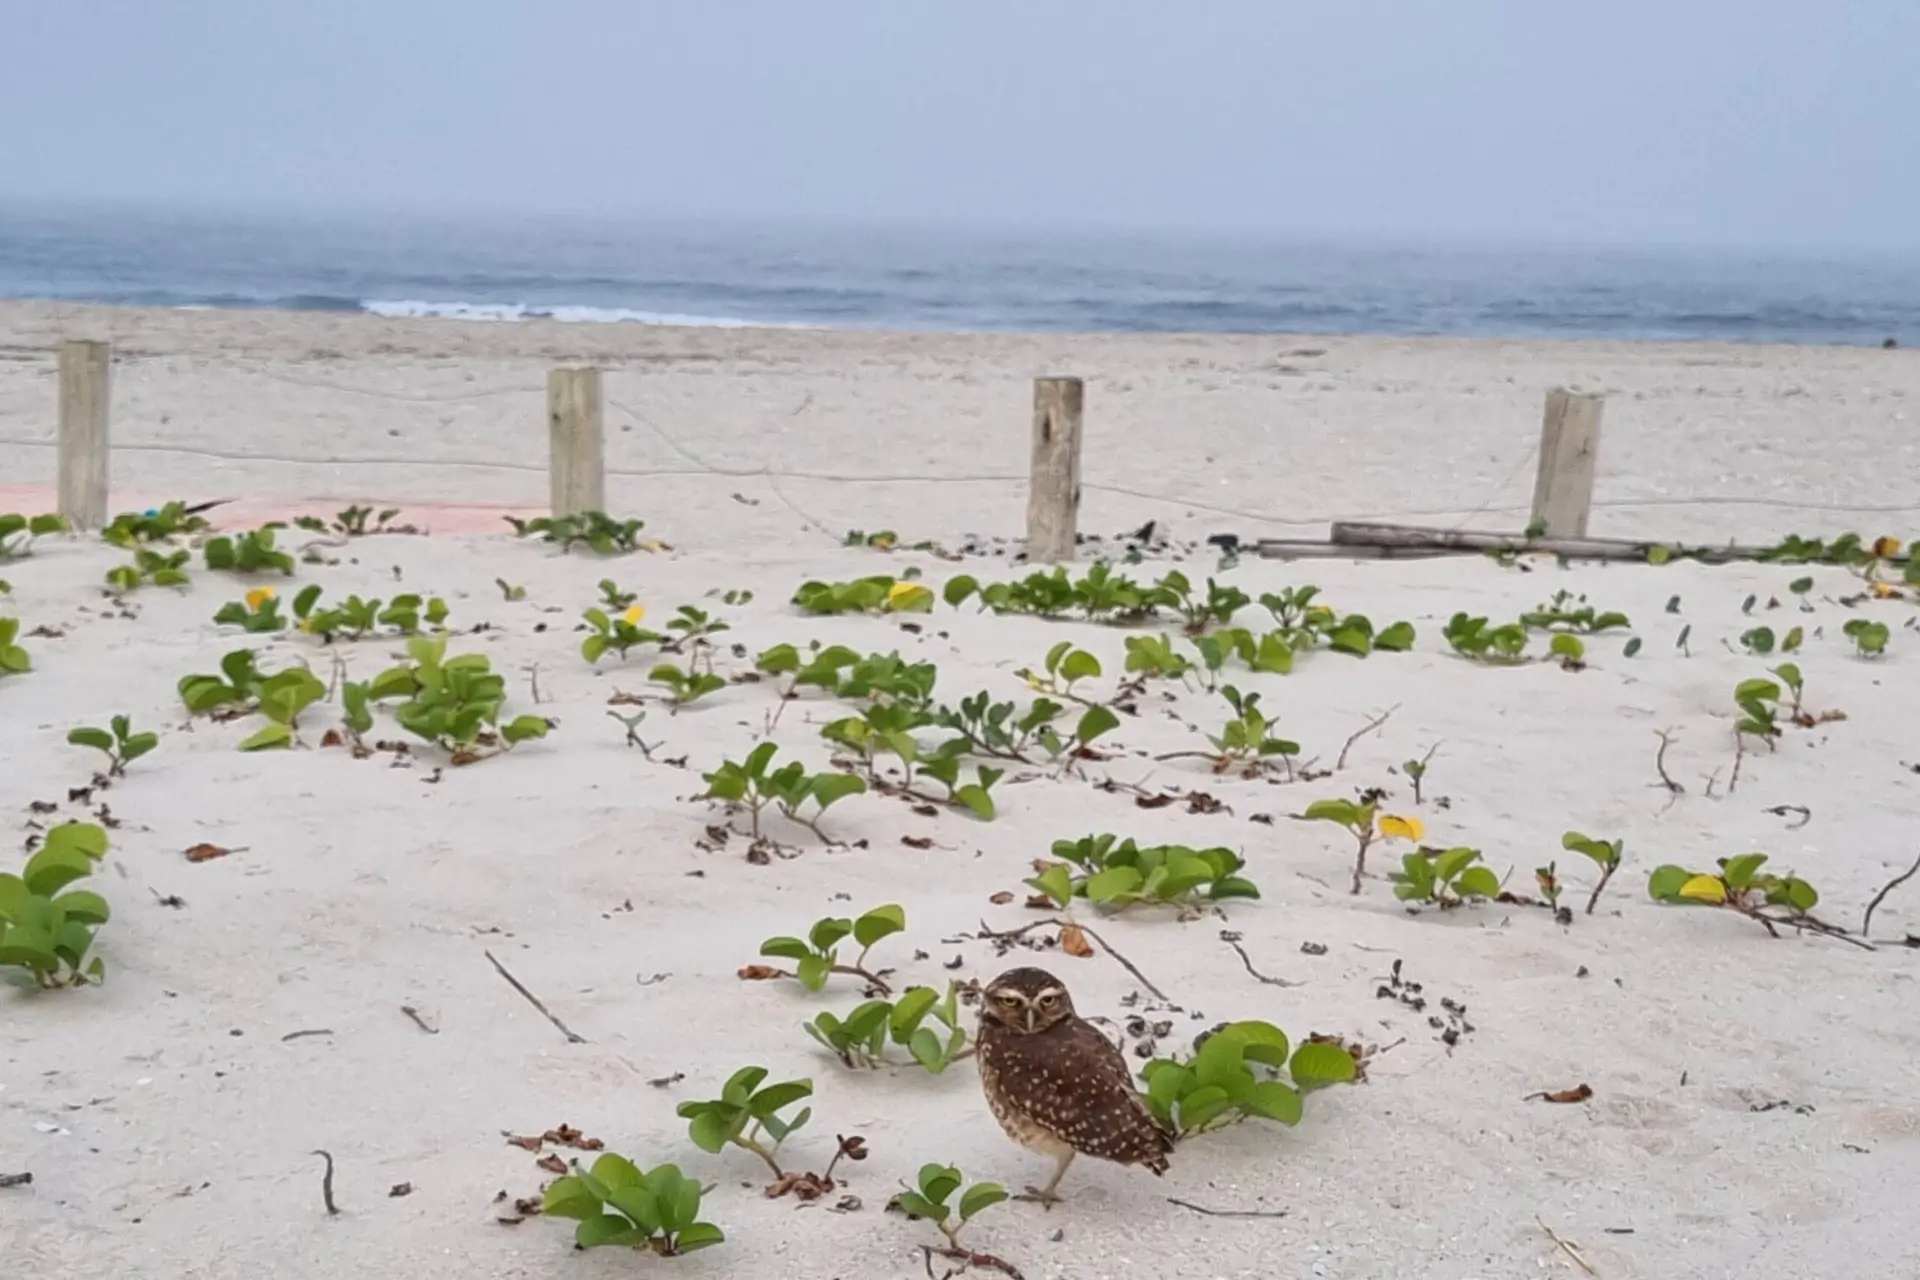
(206, 852)
(1073, 941)
(760, 973)
(1579, 1093)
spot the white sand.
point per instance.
(185, 1121)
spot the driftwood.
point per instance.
(1368, 541)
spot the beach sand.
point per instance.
(1756, 1101)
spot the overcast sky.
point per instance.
(1728, 121)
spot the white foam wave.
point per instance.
(501, 312)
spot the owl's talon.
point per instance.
(1036, 1195)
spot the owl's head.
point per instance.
(1026, 1001)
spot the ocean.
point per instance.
(734, 273)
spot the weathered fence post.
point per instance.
(1569, 445)
(576, 466)
(1053, 500)
(85, 377)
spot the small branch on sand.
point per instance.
(1866, 918)
(1660, 763)
(16, 1179)
(1566, 1247)
(1739, 754)
(413, 1015)
(1228, 1213)
(1008, 936)
(326, 1184)
(967, 1258)
(534, 1000)
(1232, 939)
(1125, 963)
(1365, 729)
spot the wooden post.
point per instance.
(1053, 501)
(85, 369)
(576, 467)
(1569, 443)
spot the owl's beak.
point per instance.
(1033, 1019)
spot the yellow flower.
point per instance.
(1392, 824)
(633, 615)
(1884, 590)
(1886, 548)
(1705, 889)
(258, 597)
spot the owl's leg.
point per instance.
(1044, 1196)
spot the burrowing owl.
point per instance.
(1058, 1086)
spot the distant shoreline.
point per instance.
(952, 282)
(495, 316)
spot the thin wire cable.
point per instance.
(399, 396)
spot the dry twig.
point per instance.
(326, 1184)
(1566, 1247)
(1660, 763)
(1125, 963)
(967, 1258)
(1232, 939)
(534, 1000)
(1867, 917)
(1228, 1213)
(1365, 729)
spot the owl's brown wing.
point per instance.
(1076, 1085)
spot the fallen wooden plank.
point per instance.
(1467, 541)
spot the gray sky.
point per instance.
(1730, 121)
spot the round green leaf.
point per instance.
(640, 1204)
(1479, 882)
(785, 949)
(701, 1235)
(909, 1010)
(1316, 1064)
(1665, 882)
(89, 908)
(615, 1171)
(912, 1202)
(879, 922)
(927, 1050)
(607, 1229)
(1113, 884)
(53, 868)
(710, 1130)
(568, 1197)
(981, 1195)
(777, 1097)
(1202, 1105)
(1260, 1042)
(1274, 1101)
